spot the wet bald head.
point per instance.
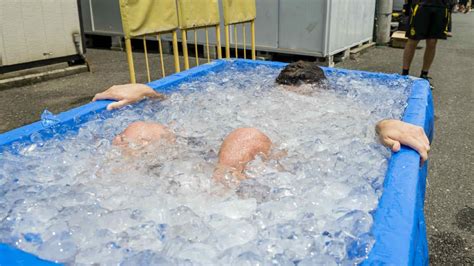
(143, 133)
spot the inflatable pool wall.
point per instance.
(399, 226)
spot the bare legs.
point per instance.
(409, 53)
(429, 54)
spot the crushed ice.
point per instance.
(77, 199)
(48, 119)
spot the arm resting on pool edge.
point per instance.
(394, 133)
(127, 94)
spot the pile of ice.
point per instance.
(77, 199)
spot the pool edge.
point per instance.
(399, 217)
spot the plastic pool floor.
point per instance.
(399, 226)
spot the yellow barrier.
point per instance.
(239, 12)
(141, 18)
(149, 17)
(195, 15)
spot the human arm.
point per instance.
(394, 133)
(127, 94)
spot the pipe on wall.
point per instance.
(383, 20)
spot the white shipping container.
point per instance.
(33, 30)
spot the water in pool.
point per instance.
(78, 199)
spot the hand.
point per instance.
(393, 133)
(127, 94)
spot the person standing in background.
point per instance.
(464, 6)
(428, 21)
(451, 5)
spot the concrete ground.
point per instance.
(24, 105)
(449, 196)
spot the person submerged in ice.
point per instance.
(242, 145)
(139, 134)
(302, 77)
(239, 147)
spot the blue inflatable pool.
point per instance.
(399, 226)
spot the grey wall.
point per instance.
(37, 29)
(311, 27)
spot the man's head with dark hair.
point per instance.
(301, 72)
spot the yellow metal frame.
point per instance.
(244, 41)
(235, 13)
(160, 48)
(196, 15)
(176, 52)
(184, 43)
(131, 65)
(144, 18)
(147, 64)
(218, 41)
(227, 42)
(196, 52)
(252, 37)
(236, 41)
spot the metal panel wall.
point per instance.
(106, 16)
(2, 56)
(266, 25)
(12, 28)
(102, 17)
(350, 22)
(34, 30)
(310, 27)
(86, 16)
(398, 5)
(302, 25)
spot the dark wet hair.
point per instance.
(301, 72)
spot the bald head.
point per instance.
(143, 133)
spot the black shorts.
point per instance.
(428, 22)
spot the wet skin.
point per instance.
(239, 148)
(392, 133)
(142, 133)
